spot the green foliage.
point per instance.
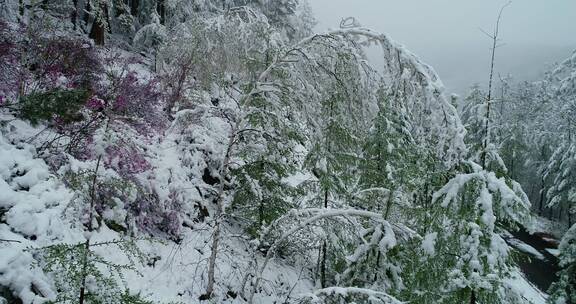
(265, 149)
(561, 174)
(333, 158)
(110, 194)
(564, 290)
(73, 264)
(63, 104)
(390, 159)
(261, 196)
(470, 258)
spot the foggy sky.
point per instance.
(446, 33)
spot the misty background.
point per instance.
(446, 33)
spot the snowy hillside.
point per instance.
(221, 152)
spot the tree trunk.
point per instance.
(161, 10)
(542, 190)
(376, 266)
(98, 30)
(261, 213)
(494, 37)
(388, 206)
(176, 95)
(87, 243)
(218, 216)
(74, 14)
(134, 7)
(21, 9)
(323, 266)
(473, 297)
(324, 247)
(97, 33)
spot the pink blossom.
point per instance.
(121, 103)
(95, 103)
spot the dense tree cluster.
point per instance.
(532, 125)
(231, 120)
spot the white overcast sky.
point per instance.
(446, 35)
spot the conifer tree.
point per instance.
(464, 243)
(564, 290)
(560, 171)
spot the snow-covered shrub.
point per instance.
(109, 194)
(131, 95)
(151, 36)
(79, 272)
(155, 216)
(48, 77)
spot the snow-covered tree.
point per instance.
(561, 173)
(469, 259)
(564, 291)
(389, 159)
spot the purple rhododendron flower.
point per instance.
(152, 215)
(95, 103)
(120, 103)
(126, 160)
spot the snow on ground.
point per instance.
(525, 289)
(518, 244)
(554, 228)
(554, 252)
(31, 204)
(34, 212)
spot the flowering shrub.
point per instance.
(33, 62)
(96, 104)
(153, 216)
(133, 98)
(46, 77)
(126, 160)
(77, 90)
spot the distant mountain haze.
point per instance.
(446, 33)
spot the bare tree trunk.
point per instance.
(87, 243)
(134, 7)
(324, 247)
(161, 10)
(21, 7)
(495, 39)
(74, 14)
(98, 30)
(182, 75)
(473, 297)
(218, 216)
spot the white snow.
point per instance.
(524, 289)
(556, 229)
(554, 252)
(518, 244)
(429, 243)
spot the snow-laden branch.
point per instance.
(512, 204)
(317, 214)
(347, 291)
(418, 84)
